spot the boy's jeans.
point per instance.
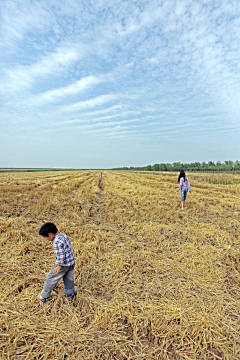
(66, 273)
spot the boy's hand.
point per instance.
(51, 252)
(56, 270)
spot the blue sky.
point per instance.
(101, 84)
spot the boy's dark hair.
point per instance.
(47, 228)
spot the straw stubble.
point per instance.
(154, 282)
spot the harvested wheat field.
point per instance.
(154, 282)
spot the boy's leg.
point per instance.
(52, 280)
(69, 281)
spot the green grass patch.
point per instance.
(221, 182)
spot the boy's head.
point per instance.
(48, 231)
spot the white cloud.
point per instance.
(105, 125)
(20, 77)
(111, 109)
(17, 21)
(72, 89)
(97, 101)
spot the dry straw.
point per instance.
(154, 282)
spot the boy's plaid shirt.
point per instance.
(63, 250)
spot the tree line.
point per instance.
(196, 166)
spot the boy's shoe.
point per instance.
(74, 294)
(40, 298)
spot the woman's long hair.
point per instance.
(182, 174)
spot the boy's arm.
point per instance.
(56, 270)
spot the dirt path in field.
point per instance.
(99, 209)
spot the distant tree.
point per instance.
(197, 165)
(211, 165)
(177, 166)
(169, 167)
(228, 163)
(155, 167)
(237, 165)
(162, 167)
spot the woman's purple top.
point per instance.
(185, 183)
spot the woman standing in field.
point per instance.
(184, 186)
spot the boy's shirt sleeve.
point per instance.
(189, 186)
(59, 253)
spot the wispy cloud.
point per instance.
(94, 102)
(19, 77)
(72, 89)
(18, 21)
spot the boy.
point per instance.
(64, 264)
